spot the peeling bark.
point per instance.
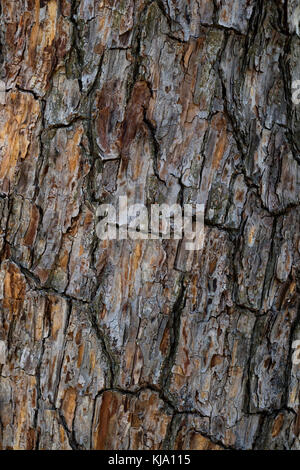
(140, 344)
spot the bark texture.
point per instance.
(141, 344)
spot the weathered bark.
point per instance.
(141, 344)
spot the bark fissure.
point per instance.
(142, 344)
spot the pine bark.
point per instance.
(141, 344)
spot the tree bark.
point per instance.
(125, 344)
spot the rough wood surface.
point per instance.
(140, 344)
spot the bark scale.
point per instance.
(141, 344)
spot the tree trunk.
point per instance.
(141, 344)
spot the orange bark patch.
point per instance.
(14, 289)
(277, 425)
(32, 229)
(219, 124)
(20, 116)
(164, 345)
(105, 429)
(68, 406)
(73, 151)
(199, 442)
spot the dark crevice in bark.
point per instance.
(111, 361)
(174, 329)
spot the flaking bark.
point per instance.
(141, 344)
